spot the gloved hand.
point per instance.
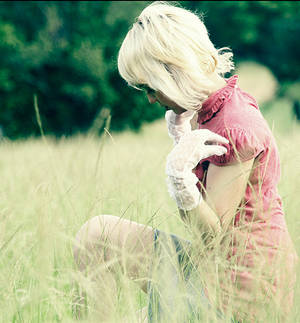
(192, 147)
(178, 124)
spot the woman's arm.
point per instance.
(225, 188)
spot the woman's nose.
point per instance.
(151, 98)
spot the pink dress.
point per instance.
(260, 257)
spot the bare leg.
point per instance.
(106, 245)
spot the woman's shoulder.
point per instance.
(242, 123)
(241, 110)
(235, 115)
(232, 108)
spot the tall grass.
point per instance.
(49, 189)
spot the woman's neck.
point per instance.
(218, 82)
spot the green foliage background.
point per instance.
(66, 53)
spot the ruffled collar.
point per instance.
(214, 102)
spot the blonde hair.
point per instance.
(169, 50)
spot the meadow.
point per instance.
(50, 187)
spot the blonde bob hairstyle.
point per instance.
(169, 50)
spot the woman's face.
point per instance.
(157, 96)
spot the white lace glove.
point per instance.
(178, 124)
(191, 148)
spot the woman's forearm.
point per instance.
(202, 220)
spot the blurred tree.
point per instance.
(263, 31)
(291, 91)
(296, 109)
(66, 53)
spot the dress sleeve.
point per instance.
(243, 145)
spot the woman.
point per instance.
(223, 177)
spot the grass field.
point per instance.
(50, 188)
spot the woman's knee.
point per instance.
(116, 243)
(90, 241)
